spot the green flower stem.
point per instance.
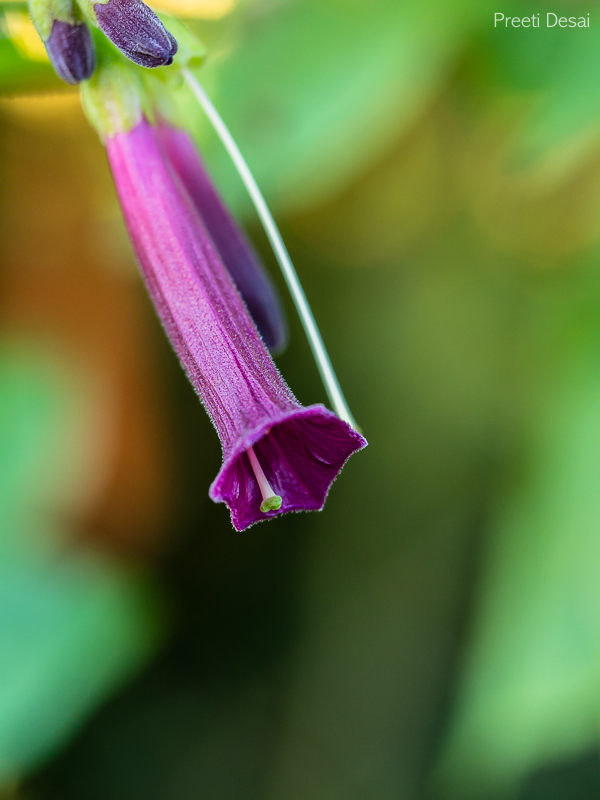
(315, 340)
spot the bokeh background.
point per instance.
(435, 632)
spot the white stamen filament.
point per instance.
(271, 501)
(315, 340)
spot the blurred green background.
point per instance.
(435, 632)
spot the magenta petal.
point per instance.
(237, 253)
(301, 450)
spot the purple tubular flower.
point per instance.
(234, 248)
(277, 455)
(71, 51)
(137, 31)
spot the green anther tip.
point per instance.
(271, 504)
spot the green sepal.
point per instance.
(44, 13)
(165, 86)
(87, 9)
(191, 52)
(114, 99)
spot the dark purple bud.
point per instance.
(137, 31)
(71, 51)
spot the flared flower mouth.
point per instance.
(288, 463)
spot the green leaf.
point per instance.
(70, 630)
(313, 90)
(553, 71)
(72, 627)
(19, 74)
(532, 687)
(46, 413)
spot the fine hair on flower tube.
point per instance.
(278, 456)
(236, 252)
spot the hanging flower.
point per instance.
(278, 456)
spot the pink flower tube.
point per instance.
(278, 456)
(235, 250)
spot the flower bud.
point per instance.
(67, 39)
(137, 31)
(71, 51)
